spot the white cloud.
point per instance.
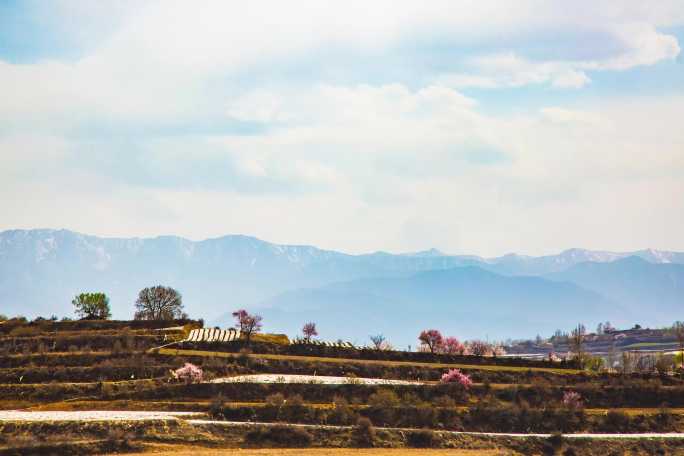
(213, 117)
(570, 116)
(511, 70)
(641, 45)
(391, 157)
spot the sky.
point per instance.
(481, 127)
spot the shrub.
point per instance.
(295, 400)
(275, 400)
(243, 357)
(25, 331)
(117, 347)
(456, 376)
(384, 399)
(572, 400)
(279, 435)
(189, 373)
(364, 433)
(444, 401)
(216, 407)
(342, 413)
(422, 439)
(556, 440)
(118, 438)
(412, 399)
(616, 421)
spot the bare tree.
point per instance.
(247, 324)
(628, 363)
(309, 330)
(378, 341)
(612, 355)
(480, 348)
(577, 342)
(678, 330)
(159, 303)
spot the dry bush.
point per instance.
(364, 433)
(275, 400)
(423, 439)
(385, 398)
(279, 436)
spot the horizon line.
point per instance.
(377, 252)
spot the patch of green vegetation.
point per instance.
(647, 345)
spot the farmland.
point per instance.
(104, 386)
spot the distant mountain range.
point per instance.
(41, 270)
(466, 301)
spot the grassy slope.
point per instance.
(177, 352)
(192, 451)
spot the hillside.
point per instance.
(112, 387)
(469, 302)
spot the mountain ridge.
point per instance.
(467, 301)
(581, 255)
(41, 270)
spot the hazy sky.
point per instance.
(471, 126)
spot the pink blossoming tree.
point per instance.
(456, 376)
(452, 346)
(572, 400)
(480, 348)
(189, 373)
(309, 330)
(432, 339)
(247, 324)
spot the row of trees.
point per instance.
(433, 341)
(153, 303)
(164, 303)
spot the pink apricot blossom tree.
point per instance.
(452, 346)
(456, 376)
(432, 339)
(247, 324)
(189, 373)
(309, 330)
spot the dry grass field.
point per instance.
(195, 451)
(88, 376)
(484, 367)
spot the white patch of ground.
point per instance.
(89, 415)
(647, 435)
(320, 379)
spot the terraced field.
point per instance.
(347, 361)
(190, 451)
(111, 390)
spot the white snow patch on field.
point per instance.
(320, 379)
(89, 415)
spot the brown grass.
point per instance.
(634, 411)
(201, 353)
(193, 451)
